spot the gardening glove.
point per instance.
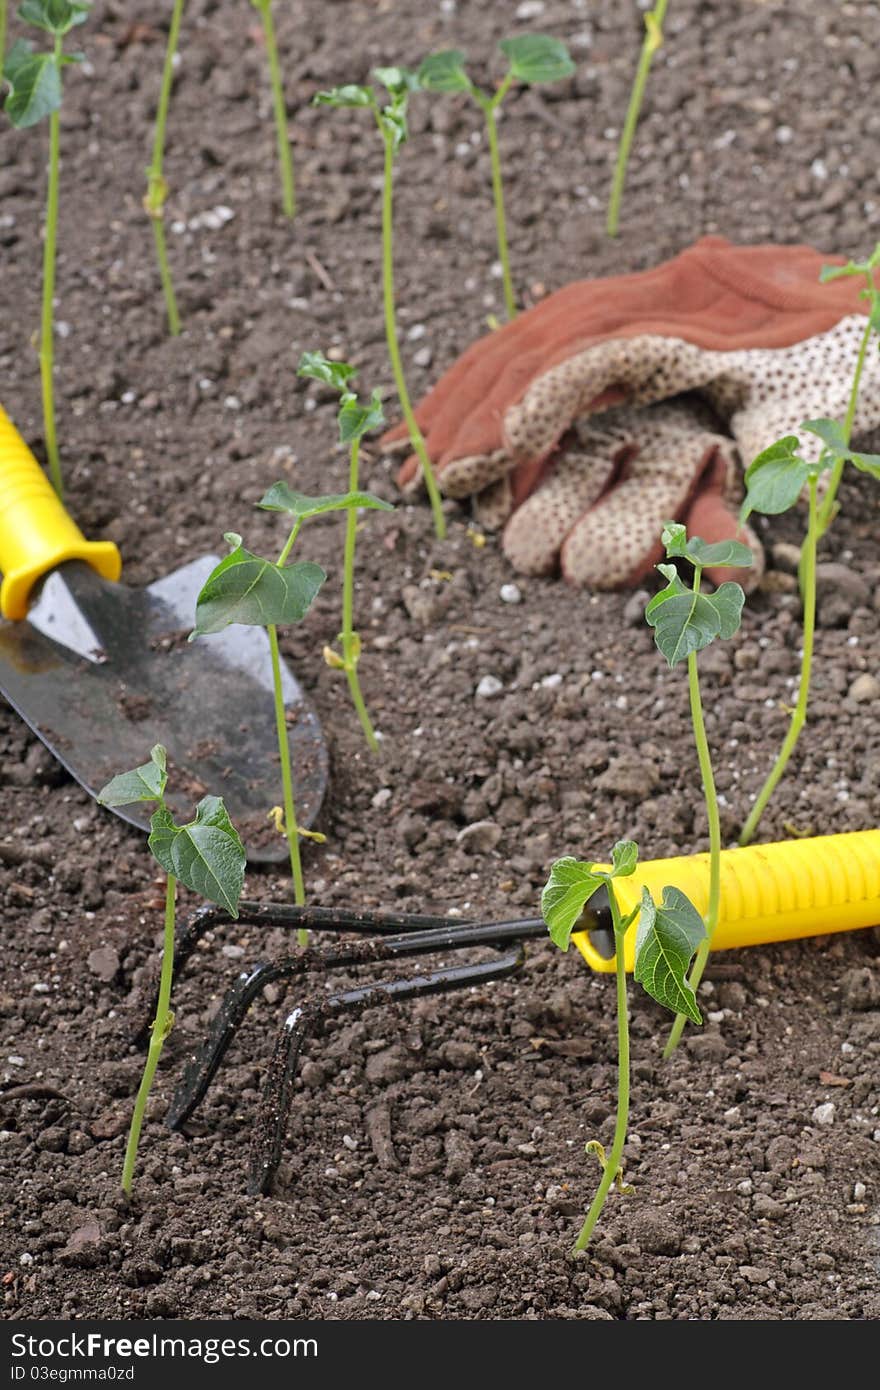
(749, 329)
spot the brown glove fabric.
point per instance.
(750, 329)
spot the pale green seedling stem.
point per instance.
(711, 796)
(47, 343)
(653, 40)
(489, 106)
(291, 828)
(415, 434)
(161, 1027)
(613, 1160)
(285, 161)
(2, 36)
(157, 189)
(799, 716)
(827, 509)
(349, 638)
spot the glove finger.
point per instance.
(535, 533)
(617, 542)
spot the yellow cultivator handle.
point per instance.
(36, 534)
(768, 892)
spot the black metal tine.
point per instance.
(306, 1019)
(204, 918)
(201, 1066)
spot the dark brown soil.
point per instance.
(435, 1165)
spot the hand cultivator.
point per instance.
(769, 893)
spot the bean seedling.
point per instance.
(533, 59)
(871, 292)
(246, 589)
(653, 40)
(774, 482)
(157, 188)
(392, 124)
(35, 91)
(667, 936)
(684, 622)
(355, 420)
(207, 856)
(285, 162)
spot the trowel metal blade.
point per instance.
(102, 672)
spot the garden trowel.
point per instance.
(102, 672)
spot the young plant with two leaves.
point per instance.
(391, 121)
(354, 420)
(207, 856)
(34, 78)
(248, 589)
(778, 477)
(685, 621)
(667, 935)
(532, 60)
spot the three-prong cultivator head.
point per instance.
(384, 939)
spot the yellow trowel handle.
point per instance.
(36, 534)
(775, 892)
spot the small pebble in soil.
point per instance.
(510, 593)
(864, 689)
(480, 837)
(634, 608)
(824, 1114)
(104, 962)
(488, 686)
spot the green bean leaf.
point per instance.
(392, 121)
(144, 783)
(247, 589)
(718, 555)
(666, 939)
(444, 72)
(834, 438)
(34, 85)
(685, 621)
(537, 58)
(206, 855)
(564, 896)
(55, 16)
(832, 435)
(320, 368)
(775, 479)
(398, 81)
(349, 95)
(356, 420)
(282, 498)
(624, 858)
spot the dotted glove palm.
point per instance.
(616, 405)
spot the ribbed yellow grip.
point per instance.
(36, 534)
(768, 892)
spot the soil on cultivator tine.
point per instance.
(435, 1165)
